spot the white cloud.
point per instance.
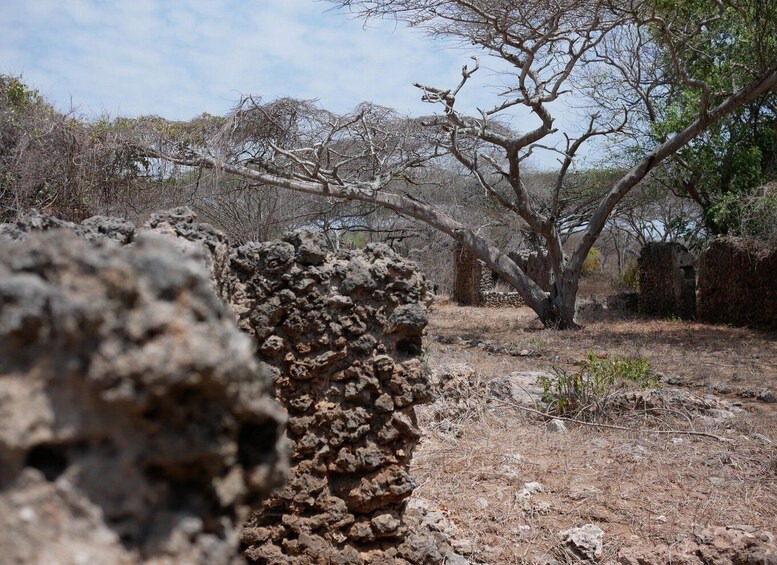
(178, 59)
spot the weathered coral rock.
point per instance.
(468, 272)
(737, 282)
(344, 332)
(585, 542)
(739, 545)
(667, 280)
(341, 334)
(135, 425)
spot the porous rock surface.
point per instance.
(737, 283)
(135, 423)
(667, 280)
(344, 333)
(341, 334)
(719, 545)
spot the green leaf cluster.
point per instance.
(723, 166)
(583, 393)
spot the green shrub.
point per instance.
(584, 393)
(593, 262)
(630, 278)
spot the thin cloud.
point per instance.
(179, 59)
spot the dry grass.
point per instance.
(695, 352)
(639, 487)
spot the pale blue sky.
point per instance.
(179, 58)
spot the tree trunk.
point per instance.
(562, 311)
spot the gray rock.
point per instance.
(116, 229)
(172, 217)
(767, 396)
(530, 489)
(720, 388)
(455, 559)
(408, 319)
(311, 248)
(586, 542)
(357, 277)
(556, 426)
(419, 548)
(519, 387)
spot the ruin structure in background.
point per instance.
(474, 284)
(667, 280)
(468, 272)
(738, 283)
(536, 265)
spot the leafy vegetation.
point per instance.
(584, 393)
(630, 278)
(722, 168)
(593, 262)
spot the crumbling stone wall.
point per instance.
(495, 299)
(474, 283)
(738, 283)
(468, 273)
(667, 280)
(344, 332)
(536, 265)
(135, 424)
(342, 335)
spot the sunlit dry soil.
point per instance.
(639, 486)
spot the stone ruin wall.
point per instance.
(344, 332)
(474, 282)
(667, 280)
(492, 298)
(738, 283)
(536, 265)
(341, 334)
(468, 273)
(495, 299)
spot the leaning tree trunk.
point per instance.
(562, 311)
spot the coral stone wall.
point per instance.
(467, 278)
(536, 265)
(667, 280)
(344, 332)
(738, 283)
(341, 336)
(474, 282)
(130, 405)
(495, 299)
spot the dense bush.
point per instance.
(59, 162)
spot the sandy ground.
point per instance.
(647, 485)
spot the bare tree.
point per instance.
(613, 57)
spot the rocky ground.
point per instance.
(686, 473)
(136, 424)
